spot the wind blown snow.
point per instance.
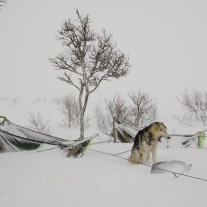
(49, 178)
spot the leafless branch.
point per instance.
(69, 108)
(143, 109)
(195, 105)
(140, 113)
(185, 119)
(37, 123)
(102, 119)
(118, 107)
(93, 58)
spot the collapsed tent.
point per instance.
(126, 134)
(123, 133)
(186, 142)
(14, 138)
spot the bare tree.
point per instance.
(37, 123)
(3, 2)
(87, 122)
(117, 106)
(102, 118)
(69, 108)
(140, 113)
(185, 119)
(195, 105)
(87, 60)
(143, 109)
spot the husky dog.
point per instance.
(146, 141)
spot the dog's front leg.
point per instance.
(154, 156)
(144, 158)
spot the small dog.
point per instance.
(146, 141)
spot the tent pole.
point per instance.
(2, 147)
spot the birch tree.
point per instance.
(117, 106)
(195, 105)
(87, 60)
(68, 107)
(138, 111)
(38, 123)
(143, 109)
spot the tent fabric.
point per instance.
(14, 138)
(124, 133)
(12, 143)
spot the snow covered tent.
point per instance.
(123, 133)
(190, 138)
(14, 138)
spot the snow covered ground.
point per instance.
(49, 178)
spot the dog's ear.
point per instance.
(155, 126)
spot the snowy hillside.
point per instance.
(165, 44)
(49, 178)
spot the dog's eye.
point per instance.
(160, 129)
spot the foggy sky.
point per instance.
(166, 42)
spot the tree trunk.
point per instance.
(82, 111)
(81, 125)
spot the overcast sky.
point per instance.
(166, 42)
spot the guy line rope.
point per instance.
(115, 155)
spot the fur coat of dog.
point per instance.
(146, 141)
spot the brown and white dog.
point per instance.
(146, 141)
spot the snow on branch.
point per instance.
(88, 59)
